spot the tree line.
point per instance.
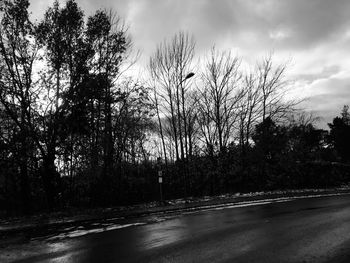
(76, 131)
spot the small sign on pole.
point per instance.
(160, 181)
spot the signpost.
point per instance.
(160, 179)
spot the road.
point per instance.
(302, 230)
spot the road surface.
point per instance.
(302, 230)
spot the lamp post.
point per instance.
(159, 166)
(189, 75)
(183, 162)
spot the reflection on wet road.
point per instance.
(304, 230)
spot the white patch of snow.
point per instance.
(255, 202)
(80, 232)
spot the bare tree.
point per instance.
(193, 129)
(265, 95)
(169, 68)
(249, 108)
(160, 127)
(218, 97)
(273, 87)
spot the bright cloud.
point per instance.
(313, 34)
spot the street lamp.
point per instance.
(184, 167)
(160, 172)
(189, 75)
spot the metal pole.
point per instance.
(183, 163)
(161, 192)
(160, 178)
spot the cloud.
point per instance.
(325, 73)
(314, 33)
(253, 24)
(327, 96)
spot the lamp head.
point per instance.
(189, 75)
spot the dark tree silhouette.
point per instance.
(340, 134)
(75, 131)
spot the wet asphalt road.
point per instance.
(303, 230)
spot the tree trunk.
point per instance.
(50, 179)
(24, 180)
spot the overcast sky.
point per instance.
(313, 34)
